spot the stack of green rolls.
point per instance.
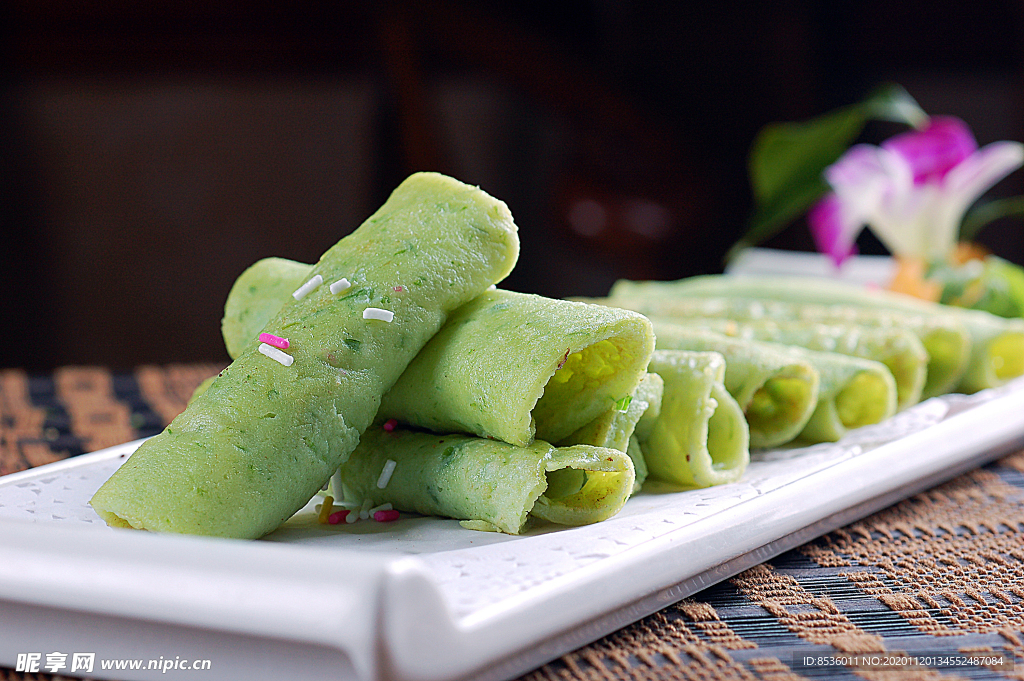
(513, 370)
(393, 371)
(273, 427)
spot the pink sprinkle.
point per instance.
(399, 288)
(390, 424)
(276, 341)
(386, 516)
(337, 517)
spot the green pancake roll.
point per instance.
(700, 438)
(616, 427)
(515, 366)
(268, 433)
(900, 350)
(776, 391)
(945, 339)
(852, 391)
(1000, 355)
(507, 365)
(997, 344)
(256, 297)
(491, 485)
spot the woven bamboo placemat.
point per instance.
(931, 588)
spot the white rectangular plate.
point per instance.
(424, 599)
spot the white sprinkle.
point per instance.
(377, 313)
(364, 511)
(352, 516)
(385, 475)
(383, 507)
(275, 354)
(307, 287)
(340, 285)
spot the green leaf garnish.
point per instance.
(787, 159)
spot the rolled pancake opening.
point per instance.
(862, 399)
(700, 437)
(1006, 357)
(776, 390)
(949, 351)
(507, 365)
(999, 355)
(852, 377)
(490, 484)
(614, 427)
(514, 366)
(900, 350)
(617, 427)
(779, 408)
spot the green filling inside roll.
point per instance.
(782, 401)
(615, 427)
(946, 360)
(777, 387)
(1006, 356)
(863, 400)
(581, 382)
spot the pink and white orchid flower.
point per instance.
(912, 191)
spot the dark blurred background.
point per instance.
(153, 150)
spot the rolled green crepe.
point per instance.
(507, 365)
(514, 366)
(256, 297)
(997, 344)
(268, 433)
(777, 393)
(853, 392)
(615, 428)
(900, 350)
(493, 485)
(700, 438)
(944, 338)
